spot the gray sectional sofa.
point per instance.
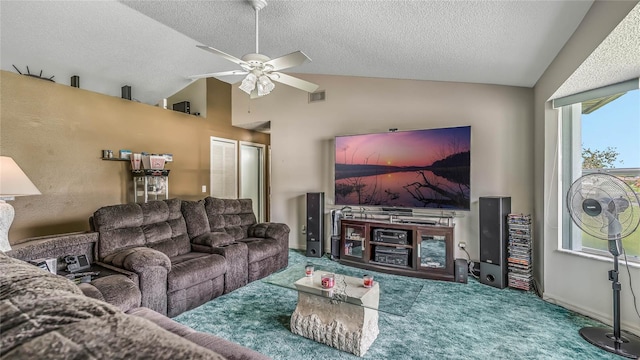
(162, 257)
(186, 253)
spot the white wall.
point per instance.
(302, 136)
(571, 280)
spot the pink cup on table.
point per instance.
(367, 281)
(328, 281)
(308, 270)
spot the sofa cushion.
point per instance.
(157, 224)
(117, 217)
(154, 212)
(217, 238)
(112, 241)
(261, 248)
(195, 217)
(174, 246)
(226, 213)
(193, 268)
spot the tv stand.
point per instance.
(417, 250)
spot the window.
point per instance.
(600, 132)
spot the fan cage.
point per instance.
(614, 196)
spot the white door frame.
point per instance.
(261, 181)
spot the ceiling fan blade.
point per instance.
(293, 81)
(224, 55)
(287, 61)
(222, 73)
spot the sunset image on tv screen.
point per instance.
(406, 169)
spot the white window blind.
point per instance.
(224, 168)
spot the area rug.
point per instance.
(446, 321)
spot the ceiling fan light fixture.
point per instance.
(249, 83)
(265, 86)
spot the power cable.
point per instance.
(470, 264)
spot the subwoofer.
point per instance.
(494, 238)
(315, 224)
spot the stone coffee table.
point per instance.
(344, 317)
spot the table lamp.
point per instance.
(13, 182)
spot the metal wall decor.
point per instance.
(39, 76)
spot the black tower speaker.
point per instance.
(75, 81)
(315, 224)
(126, 92)
(493, 240)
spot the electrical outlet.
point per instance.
(204, 188)
(462, 245)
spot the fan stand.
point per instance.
(628, 345)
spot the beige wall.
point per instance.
(302, 136)
(571, 280)
(195, 94)
(56, 134)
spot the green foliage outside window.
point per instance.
(599, 159)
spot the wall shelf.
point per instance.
(115, 159)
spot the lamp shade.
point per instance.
(13, 181)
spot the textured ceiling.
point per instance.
(150, 45)
(616, 59)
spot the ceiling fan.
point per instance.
(260, 69)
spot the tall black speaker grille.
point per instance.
(494, 238)
(315, 224)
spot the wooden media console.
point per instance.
(417, 250)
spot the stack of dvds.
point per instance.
(519, 261)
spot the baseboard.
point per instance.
(605, 318)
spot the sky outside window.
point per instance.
(615, 125)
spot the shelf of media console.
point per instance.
(404, 246)
(391, 265)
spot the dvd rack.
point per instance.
(519, 262)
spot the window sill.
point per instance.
(599, 257)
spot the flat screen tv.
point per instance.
(405, 169)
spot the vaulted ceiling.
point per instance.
(151, 45)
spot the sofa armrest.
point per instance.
(213, 239)
(269, 230)
(138, 258)
(152, 267)
(277, 231)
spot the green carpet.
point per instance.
(446, 321)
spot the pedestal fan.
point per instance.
(606, 208)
